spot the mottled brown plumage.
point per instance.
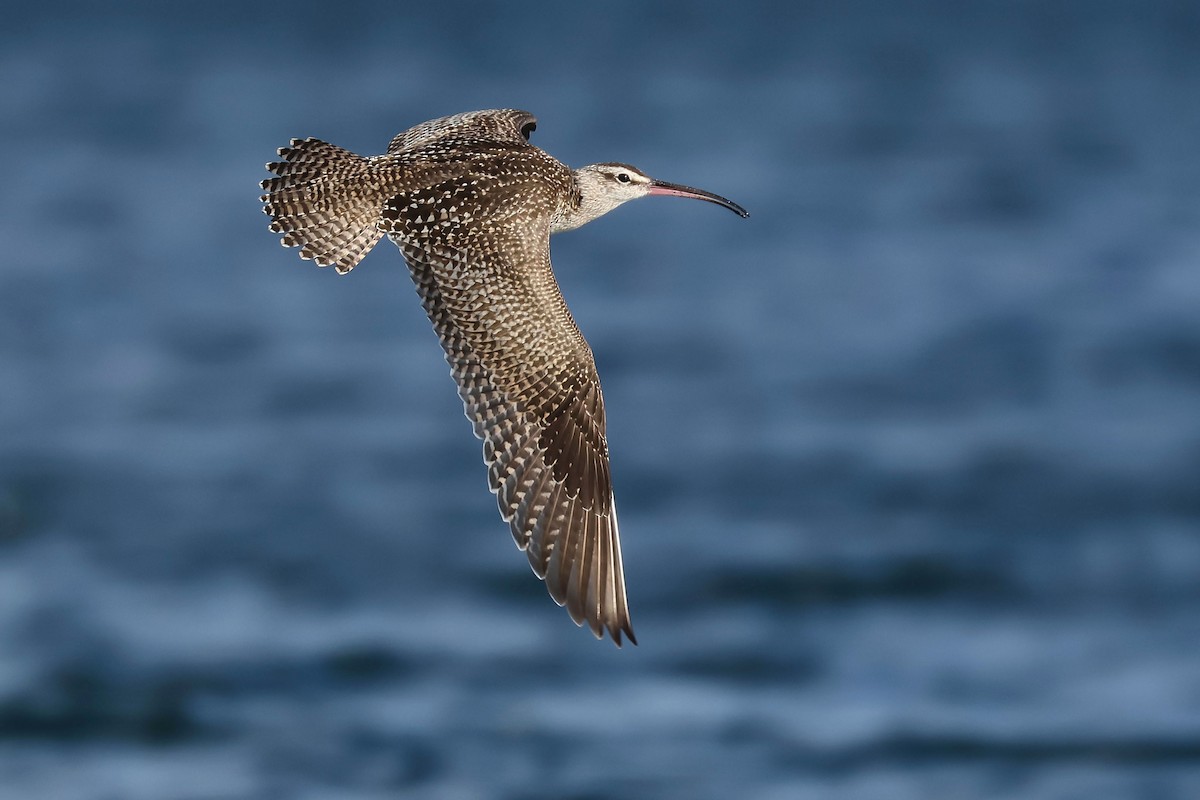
(471, 205)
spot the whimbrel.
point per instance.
(472, 205)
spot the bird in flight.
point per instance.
(472, 205)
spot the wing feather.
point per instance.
(499, 125)
(529, 386)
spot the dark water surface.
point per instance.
(908, 462)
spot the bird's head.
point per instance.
(603, 187)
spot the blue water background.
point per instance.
(908, 462)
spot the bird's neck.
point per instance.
(584, 203)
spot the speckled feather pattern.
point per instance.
(471, 205)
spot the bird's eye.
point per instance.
(623, 177)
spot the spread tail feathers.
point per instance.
(326, 201)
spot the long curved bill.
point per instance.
(675, 190)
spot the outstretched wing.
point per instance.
(504, 125)
(481, 263)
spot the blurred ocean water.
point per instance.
(908, 462)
